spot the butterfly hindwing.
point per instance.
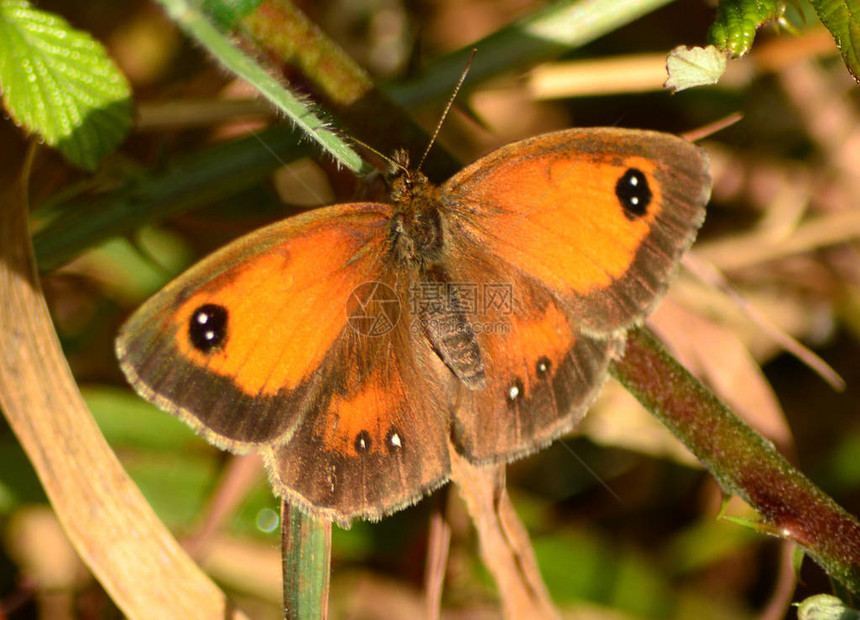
(541, 371)
(368, 452)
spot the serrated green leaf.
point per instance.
(60, 83)
(737, 22)
(842, 19)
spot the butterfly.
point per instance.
(356, 345)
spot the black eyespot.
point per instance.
(543, 367)
(207, 328)
(516, 392)
(362, 442)
(633, 193)
(394, 440)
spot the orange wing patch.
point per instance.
(599, 217)
(283, 316)
(541, 372)
(375, 448)
(558, 220)
(366, 422)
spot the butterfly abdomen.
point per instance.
(446, 324)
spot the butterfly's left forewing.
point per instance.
(234, 345)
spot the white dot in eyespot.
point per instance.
(362, 444)
(634, 181)
(513, 392)
(202, 318)
(634, 200)
(394, 440)
(210, 335)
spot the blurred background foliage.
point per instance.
(627, 530)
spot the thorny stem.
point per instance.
(743, 462)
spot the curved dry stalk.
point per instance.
(107, 519)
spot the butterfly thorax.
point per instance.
(416, 228)
(417, 239)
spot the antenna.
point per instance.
(392, 162)
(447, 108)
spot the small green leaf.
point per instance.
(842, 19)
(60, 83)
(738, 20)
(697, 66)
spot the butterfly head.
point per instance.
(404, 183)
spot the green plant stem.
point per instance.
(743, 462)
(367, 112)
(341, 86)
(201, 178)
(305, 558)
(544, 35)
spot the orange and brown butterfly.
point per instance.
(355, 345)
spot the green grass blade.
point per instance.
(217, 173)
(306, 555)
(302, 113)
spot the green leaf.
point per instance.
(842, 19)
(60, 83)
(738, 20)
